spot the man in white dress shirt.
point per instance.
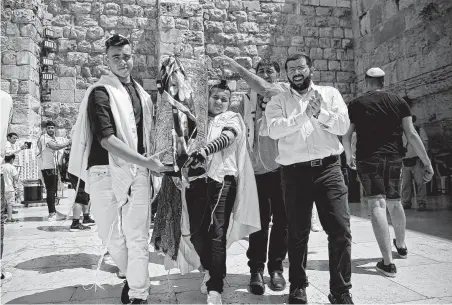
(306, 121)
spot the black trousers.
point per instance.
(51, 183)
(325, 185)
(271, 205)
(210, 205)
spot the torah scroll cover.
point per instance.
(197, 77)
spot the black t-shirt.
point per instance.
(103, 124)
(377, 117)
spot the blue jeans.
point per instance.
(302, 185)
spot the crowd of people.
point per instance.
(283, 156)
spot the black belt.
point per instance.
(317, 162)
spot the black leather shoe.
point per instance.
(257, 285)
(298, 296)
(125, 293)
(345, 298)
(277, 281)
(138, 301)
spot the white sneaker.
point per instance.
(52, 217)
(204, 282)
(213, 298)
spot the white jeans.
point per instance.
(129, 250)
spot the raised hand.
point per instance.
(314, 105)
(228, 62)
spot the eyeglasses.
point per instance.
(115, 39)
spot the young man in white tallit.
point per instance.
(109, 152)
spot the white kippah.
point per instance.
(375, 72)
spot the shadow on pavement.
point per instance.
(55, 263)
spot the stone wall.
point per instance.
(21, 33)
(411, 41)
(81, 28)
(245, 30)
(273, 29)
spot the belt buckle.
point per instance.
(316, 163)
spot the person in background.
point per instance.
(11, 177)
(413, 171)
(48, 162)
(6, 105)
(12, 147)
(380, 118)
(306, 121)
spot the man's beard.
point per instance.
(303, 86)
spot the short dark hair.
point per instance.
(9, 158)
(222, 85)
(266, 62)
(9, 135)
(116, 40)
(297, 57)
(376, 80)
(50, 123)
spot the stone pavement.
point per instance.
(52, 265)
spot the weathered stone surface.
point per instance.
(8, 58)
(23, 16)
(84, 46)
(94, 33)
(66, 45)
(80, 8)
(166, 22)
(61, 20)
(108, 22)
(112, 9)
(132, 10)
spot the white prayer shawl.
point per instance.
(122, 172)
(245, 217)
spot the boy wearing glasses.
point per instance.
(109, 152)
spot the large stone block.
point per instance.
(196, 24)
(28, 30)
(26, 58)
(261, 39)
(166, 22)
(5, 85)
(63, 70)
(84, 46)
(213, 26)
(66, 45)
(11, 29)
(77, 58)
(145, 3)
(345, 77)
(62, 96)
(249, 50)
(232, 51)
(98, 46)
(23, 16)
(112, 9)
(14, 86)
(316, 53)
(238, 16)
(170, 9)
(108, 22)
(80, 8)
(132, 10)
(217, 14)
(182, 24)
(94, 33)
(252, 5)
(320, 64)
(328, 3)
(85, 21)
(327, 76)
(348, 65)
(191, 10)
(8, 58)
(329, 53)
(311, 42)
(78, 33)
(146, 23)
(249, 27)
